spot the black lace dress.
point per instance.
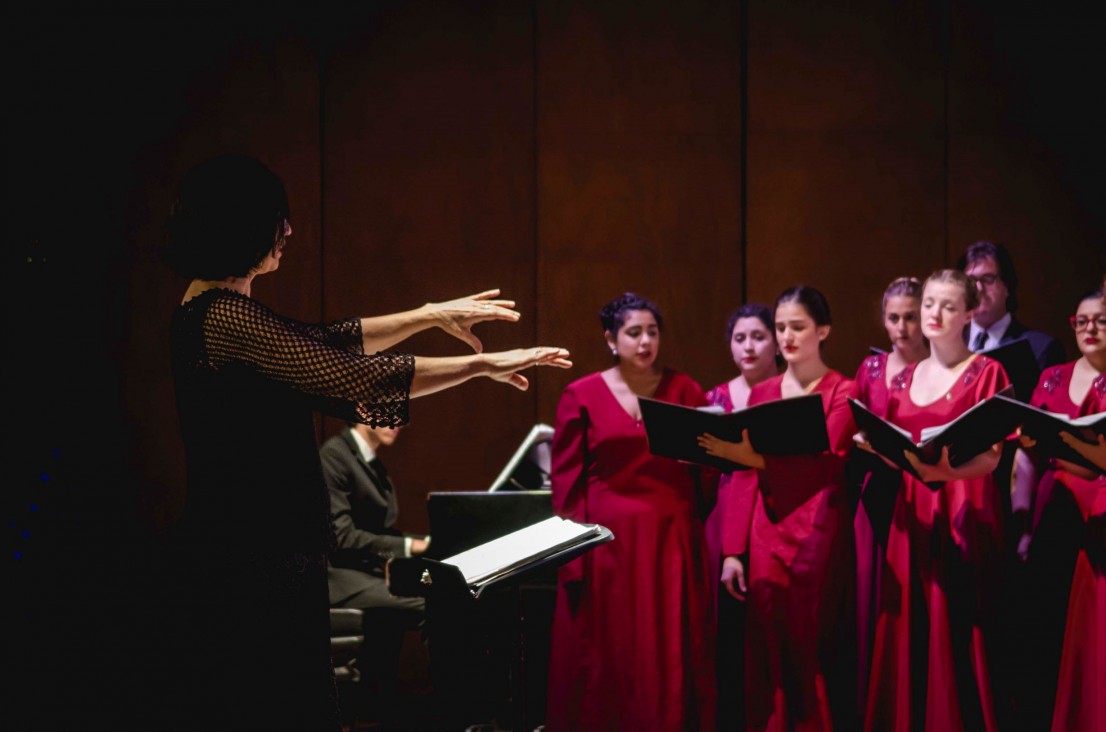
(250, 649)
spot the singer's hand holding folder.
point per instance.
(794, 426)
(1046, 427)
(972, 433)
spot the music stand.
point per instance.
(528, 468)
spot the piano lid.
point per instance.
(460, 520)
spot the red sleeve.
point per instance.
(1040, 394)
(861, 381)
(692, 395)
(839, 418)
(695, 395)
(568, 469)
(737, 513)
(991, 380)
(1097, 401)
(568, 457)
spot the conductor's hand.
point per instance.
(505, 365)
(457, 317)
(733, 577)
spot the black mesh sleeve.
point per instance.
(323, 363)
(344, 335)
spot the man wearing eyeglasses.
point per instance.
(993, 322)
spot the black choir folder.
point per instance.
(552, 541)
(1020, 365)
(795, 426)
(988, 422)
(1046, 428)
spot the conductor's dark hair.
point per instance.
(750, 310)
(994, 250)
(815, 303)
(228, 214)
(613, 314)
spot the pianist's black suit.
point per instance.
(363, 509)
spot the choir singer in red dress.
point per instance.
(1074, 389)
(936, 622)
(633, 637)
(902, 319)
(800, 668)
(752, 340)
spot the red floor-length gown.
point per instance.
(730, 612)
(633, 637)
(876, 489)
(1081, 688)
(944, 559)
(800, 671)
(1040, 585)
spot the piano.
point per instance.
(490, 658)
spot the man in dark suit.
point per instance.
(993, 322)
(363, 509)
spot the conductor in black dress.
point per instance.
(247, 644)
(364, 510)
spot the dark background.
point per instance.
(700, 153)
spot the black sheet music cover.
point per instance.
(795, 426)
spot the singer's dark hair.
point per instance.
(613, 314)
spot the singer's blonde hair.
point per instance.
(956, 277)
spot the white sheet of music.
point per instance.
(510, 550)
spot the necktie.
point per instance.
(980, 339)
(381, 472)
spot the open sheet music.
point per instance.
(988, 422)
(1045, 427)
(795, 426)
(522, 548)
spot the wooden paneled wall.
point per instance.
(699, 153)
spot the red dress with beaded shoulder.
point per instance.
(944, 556)
(1081, 688)
(799, 674)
